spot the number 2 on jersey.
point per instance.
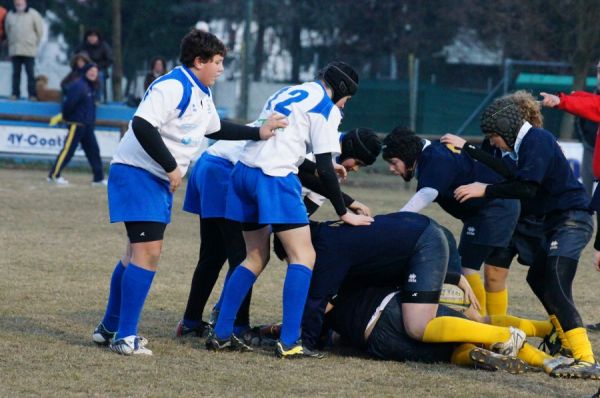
(283, 106)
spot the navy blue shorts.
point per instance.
(454, 261)
(490, 227)
(135, 194)
(206, 192)
(426, 270)
(527, 241)
(567, 233)
(257, 198)
(389, 340)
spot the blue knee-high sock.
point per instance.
(134, 289)
(220, 302)
(113, 308)
(239, 283)
(295, 290)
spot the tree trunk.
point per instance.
(117, 75)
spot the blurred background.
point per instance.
(430, 65)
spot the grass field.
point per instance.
(57, 251)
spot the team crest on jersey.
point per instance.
(412, 278)
(471, 231)
(554, 245)
(188, 127)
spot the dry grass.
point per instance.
(57, 253)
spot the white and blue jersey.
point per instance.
(182, 110)
(313, 128)
(264, 186)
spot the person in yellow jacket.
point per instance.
(24, 28)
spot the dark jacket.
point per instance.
(100, 54)
(79, 104)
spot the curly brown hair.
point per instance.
(529, 106)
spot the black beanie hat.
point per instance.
(502, 117)
(87, 67)
(361, 144)
(341, 78)
(403, 144)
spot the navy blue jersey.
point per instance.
(79, 102)
(343, 250)
(445, 168)
(541, 160)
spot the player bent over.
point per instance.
(439, 169)
(544, 177)
(177, 112)
(265, 193)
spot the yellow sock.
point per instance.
(563, 340)
(448, 329)
(532, 355)
(542, 328)
(460, 355)
(496, 302)
(580, 344)
(532, 328)
(477, 286)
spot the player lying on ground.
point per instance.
(408, 249)
(439, 170)
(544, 177)
(370, 318)
(400, 249)
(221, 239)
(166, 132)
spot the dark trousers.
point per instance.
(84, 134)
(222, 240)
(17, 63)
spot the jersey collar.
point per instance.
(514, 155)
(197, 81)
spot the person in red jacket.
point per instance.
(585, 105)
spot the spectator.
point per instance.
(79, 111)
(2, 17)
(157, 69)
(24, 28)
(78, 62)
(101, 54)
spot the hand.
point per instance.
(356, 219)
(466, 287)
(340, 171)
(550, 100)
(174, 179)
(453, 140)
(597, 260)
(469, 191)
(274, 122)
(359, 208)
